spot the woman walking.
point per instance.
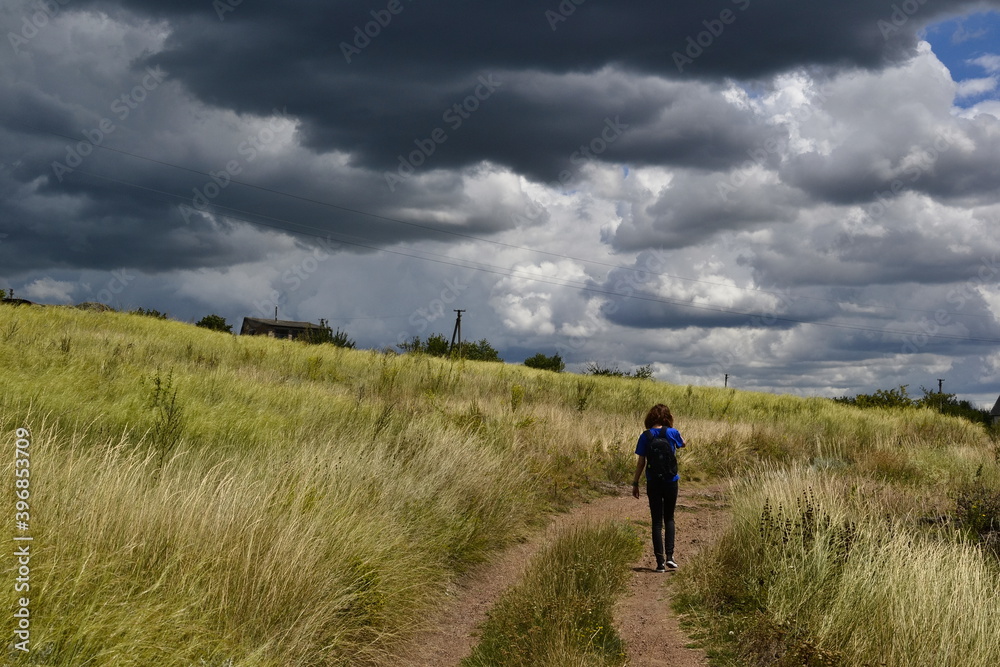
(656, 452)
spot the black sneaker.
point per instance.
(660, 568)
(671, 564)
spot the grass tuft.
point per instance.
(561, 612)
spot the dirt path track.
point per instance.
(644, 618)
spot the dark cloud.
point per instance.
(696, 207)
(960, 165)
(428, 57)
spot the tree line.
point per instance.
(946, 404)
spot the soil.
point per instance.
(643, 617)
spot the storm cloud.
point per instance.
(802, 194)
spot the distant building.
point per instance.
(287, 329)
(995, 412)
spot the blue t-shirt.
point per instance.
(671, 434)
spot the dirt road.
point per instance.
(643, 617)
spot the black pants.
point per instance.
(662, 502)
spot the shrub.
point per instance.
(324, 334)
(481, 350)
(948, 404)
(149, 312)
(437, 345)
(882, 398)
(977, 512)
(215, 323)
(340, 339)
(641, 373)
(168, 423)
(595, 368)
(540, 361)
(945, 404)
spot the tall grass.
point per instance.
(311, 552)
(198, 496)
(560, 614)
(822, 569)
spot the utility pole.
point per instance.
(726, 384)
(457, 333)
(940, 384)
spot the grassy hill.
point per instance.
(198, 498)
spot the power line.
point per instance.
(515, 273)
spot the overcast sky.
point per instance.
(804, 195)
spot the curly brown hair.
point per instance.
(659, 414)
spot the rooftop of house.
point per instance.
(288, 324)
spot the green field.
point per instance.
(198, 498)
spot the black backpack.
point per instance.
(661, 461)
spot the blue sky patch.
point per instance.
(960, 41)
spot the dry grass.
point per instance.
(843, 569)
(200, 498)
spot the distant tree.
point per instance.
(437, 345)
(412, 345)
(882, 398)
(948, 404)
(324, 334)
(149, 313)
(215, 323)
(3, 294)
(553, 363)
(481, 350)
